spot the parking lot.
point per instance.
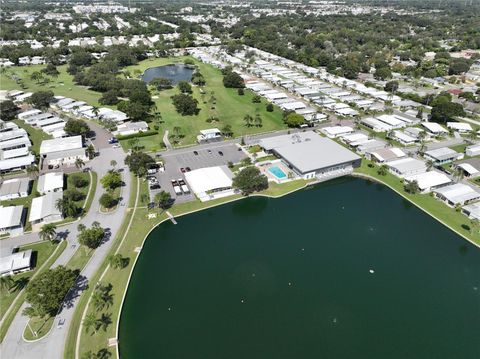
(209, 155)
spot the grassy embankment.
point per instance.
(450, 217)
(141, 226)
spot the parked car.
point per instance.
(183, 186)
(182, 170)
(209, 151)
(195, 153)
(220, 153)
(112, 140)
(155, 186)
(188, 169)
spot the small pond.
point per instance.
(174, 72)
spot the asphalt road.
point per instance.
(52, 345)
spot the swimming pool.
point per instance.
(277, 172)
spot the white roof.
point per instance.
(430, 179)
(391, 120)
(10, 216)
(404, 137)
(355, 137)
(50, 182)
(209, 178)
(467, 167)
(15, 261)
(44, 206)
(460, 126)
(473, 210)
(61, 144)
(16, 162)
(28, 113)
(408, 164)
(433, 127)
(337, 130)
(210, 131)
(442, 153)
(458, 193)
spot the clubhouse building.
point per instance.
(312, 156)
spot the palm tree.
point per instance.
(430, 164)
(48, 232)
(6, 282)
(79, 163)
(422, 147)
(459, 174)
(474, 224)
(95, 111)
(104, 321)
(32, 171)
(90, 151)
(89, 322)
(67, 207)
(101, 298)
(383, 170)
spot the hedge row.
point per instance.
(140, 134)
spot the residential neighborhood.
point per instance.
(238, 154)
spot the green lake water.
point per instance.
(291, 278)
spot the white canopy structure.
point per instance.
(210, 182)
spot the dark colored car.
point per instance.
(112, 140)
(182, 170)
(188, 169)
(195, 153)
(220, 153)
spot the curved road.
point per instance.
(52, 345)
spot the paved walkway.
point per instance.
(52, 345)
(166, 141)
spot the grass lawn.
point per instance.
(39, 326)
(47, 255)
(230, 108)
(460, 148)
(79, 258)
(36, 136)
(443, 213)
(62, 85)
(84, 190)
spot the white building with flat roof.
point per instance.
(429, 181)
(16, 263)
(63, 151)
(14, 188)
(130, 128)
(461, 127)
(50, 182)
(210, 182)
(405, 167)
(472, 210)
(44, 210)
(312, 156)
(336, 131)
(473, 150)
(443, 155)
(11, 220)
(210, 134)
(457, 194)
(434, 128)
